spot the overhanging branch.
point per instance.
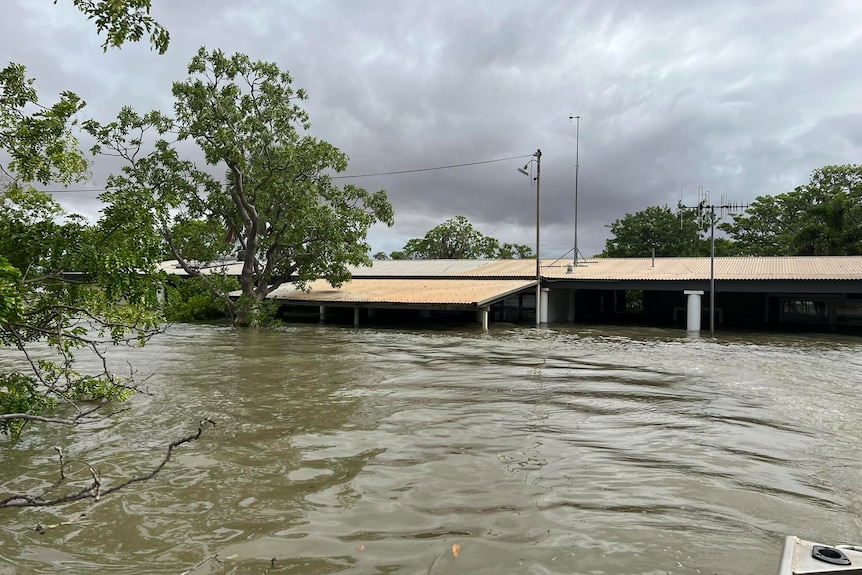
(94, 490)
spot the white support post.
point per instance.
(356, 316)
(322, 313)
(545, 304)
(694, 310)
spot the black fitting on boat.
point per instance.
(829, 555)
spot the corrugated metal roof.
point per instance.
(417, 268)
(378, 268)
(729, 268)
(506, 269)
(405, 291)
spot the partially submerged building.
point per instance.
(749, 292)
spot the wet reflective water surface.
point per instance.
(560, 450)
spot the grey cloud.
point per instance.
(743, 98)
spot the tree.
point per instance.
(62, 282)
(656, 228)
(189, 299)
(823, 217)
(456, 238)
(40, 143)
(278, 202)
(763, 230)
(124, 20)
(200, 241)
(40, 245)
(66, 287)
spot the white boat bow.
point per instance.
(800, 557)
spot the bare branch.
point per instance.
(201, 562)
(73, 421)
(94, 490)
(31, 417)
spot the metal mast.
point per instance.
(577, 169)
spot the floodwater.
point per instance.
(561, 450)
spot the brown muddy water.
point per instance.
(560, 450)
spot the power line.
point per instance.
(448, 167)
(68, 191)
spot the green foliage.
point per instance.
(203, 242)
(257, 313)
(189, 299)
(823, 217)
(456, 238)
(61, 287)
(723, 247)
(656, 228)
(11, 298)
(41, 303)
(37, 139)
(763, 230)
(19, 394)
(279, 203)
(124, 20)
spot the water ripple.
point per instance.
(535, 451)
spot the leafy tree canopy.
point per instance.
(124, 20)
(456, 238)
(67, 288)
(279, 203)
(40, 245)
(37, 138)
(61, 282)
(823, 217)
(656, 228)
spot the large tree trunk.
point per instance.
(241, 317)
(247, 310)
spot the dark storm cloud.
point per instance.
(741, 98)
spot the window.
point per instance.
(805, 310)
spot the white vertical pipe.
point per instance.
(545, 304)
(694, 309)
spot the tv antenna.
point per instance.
(705, 216)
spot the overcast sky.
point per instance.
(744, 98)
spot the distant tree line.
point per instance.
(822, 217)
(457, 239)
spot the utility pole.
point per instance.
(538, 233)
(537, 157)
